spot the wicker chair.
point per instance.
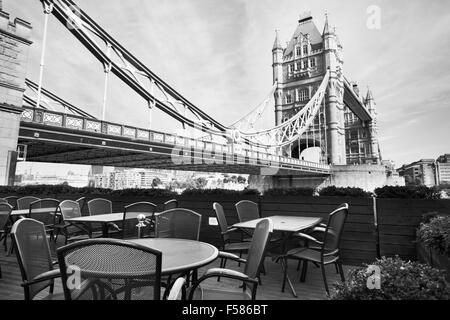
(47, 217)
(131, 212)
(247, 210)
(12, 200)
(110, 269)
(323, 252)
(24, 202)
(5, 214)
(250, 276)
(178, 223)
(100, 206)
(71, 231)
(35, 261)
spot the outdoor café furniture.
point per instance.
(5, 215)
(3, 200)
(130, 215)
(82, 203)
(247, 210)
(24, 202)
(171, 204)
(178, 223)
(249, 277)
(287, 225)
(35, 261)
(321, 252)
(44, 210)
(225, 231)
(12, 200)
(110, 269)
(100, 206)
(72, 231)
(178, 291)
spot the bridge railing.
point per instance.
(253, 154)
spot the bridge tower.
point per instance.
(299, 69)
(14, 45)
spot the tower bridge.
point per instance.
(317, 111)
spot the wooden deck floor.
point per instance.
(312, 289)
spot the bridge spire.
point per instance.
(326, 28)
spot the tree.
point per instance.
(201, 183)
(156, 182)
(241, 180)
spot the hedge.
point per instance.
(410, 192)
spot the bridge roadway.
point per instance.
(62, 138)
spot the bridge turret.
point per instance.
(14, 43)
(370, 104)
(277, 66)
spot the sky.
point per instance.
(218, 55)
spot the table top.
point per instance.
(283, 223)
(111, 217)
(25, 212)
(179, 255)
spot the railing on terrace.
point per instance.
(74, 122)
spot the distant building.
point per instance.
(443, 169)
(421, 172)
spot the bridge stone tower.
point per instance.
(14, 45)
(299, 69)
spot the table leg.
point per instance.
(105, 230)
(283, 262)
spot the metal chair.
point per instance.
(247, 210)
(100, 206)
(33, 255)
(171, 204)
(12, 200)
(249, 277)
(82, 203)
(323, 252)
(110, 269)
(5, 214)
(227, 244)
(24, 202)
(178, 290)
(47, 217)
(131, 212)
(3, 200)
(178, 223)
(71, 231)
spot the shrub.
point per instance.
(400, 280)
(220, 192)
(290, 192)
(345, 192)
(436, 234)
(410, 192)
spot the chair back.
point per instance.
(110, 269)
(131, 212)
(222, 220)
(99, 206)
(33, 253)
(82, 203)
(178, 223)
(12, 200)
(247, 210)
(46, 217)
(3, 200)
(171, 204)
(5, 213)
(334, 229)
(70, 209)
(24, 202)
(257, 250)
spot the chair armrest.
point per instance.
(230, 230)
(227, 273)
(178, 287)
(54, 263)
(308, 238)
(227, 255)
(46, 276)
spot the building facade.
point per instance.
(443, 169)
(421, 172)
(298, 69)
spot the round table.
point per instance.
(179, 255)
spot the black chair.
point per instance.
(178, 223)
(227, 244)
(3, 200)
(101, 206)
(250, 276)
(110, 269)
(47, 217)
(72, 231)
(82, 203)
(131, 212)
(171, 204)
(5, 214)
(323, 252)
(24, 202)
(247, 210)
(34, 258)
(12, 200)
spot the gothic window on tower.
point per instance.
(305, 50)
(298, 66)
(288, 98)
(299, 51)
(304, 95)
(312, 62)
(303, 64)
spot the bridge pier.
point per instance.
(14, 45)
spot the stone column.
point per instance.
(14, 44)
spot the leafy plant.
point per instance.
(436, 234)
(409, 192)
(399, 280)
(344, 192)
(290, 192)
(220, 192)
